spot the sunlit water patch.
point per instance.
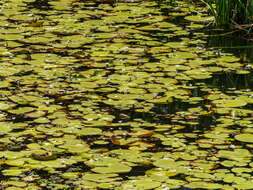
(119, 95)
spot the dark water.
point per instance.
(238, 43)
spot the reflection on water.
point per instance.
(225, 81)
(236, 43)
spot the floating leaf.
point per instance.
(230, 103)
(247, 137)
(141, 184)
(199, 18)
(165, 163)
(12, 172)
(114, 168)
(44, 157)
(206, 185)
(5, 127)
(90, 131)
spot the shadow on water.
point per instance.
(171, 108)
(39, 4)
(238, 45)
(235, 43)
(225, 81)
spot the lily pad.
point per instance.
(199, 18)
(111, 169)
(247, 137)
(230, 103)
(90, 131)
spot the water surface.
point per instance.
(120, 95)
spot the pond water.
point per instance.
(123, 94)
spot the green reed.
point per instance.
(231, 12)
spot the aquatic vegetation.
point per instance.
(119, 95)
(231, 12)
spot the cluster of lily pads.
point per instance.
(114, 95)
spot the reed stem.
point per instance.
(227, 12)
